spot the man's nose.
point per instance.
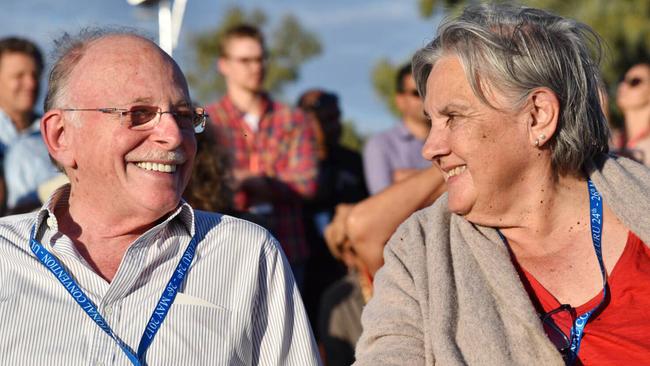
(30, 81)
(168, 132)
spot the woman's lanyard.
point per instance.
(86, 304)
(596, 222)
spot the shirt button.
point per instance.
(108, 310)
(50, 222)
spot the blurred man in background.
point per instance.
(340, 180)
(21, 64)
(395, 154)
(273, 145)
(25, 160)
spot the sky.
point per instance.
(354, 34)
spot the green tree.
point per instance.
(383, 80)
(350, 137)
(428, 7)
(289, 45)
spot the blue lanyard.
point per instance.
(596, 221)
(86, 304)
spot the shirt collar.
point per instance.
(7, 125)
(267, 103)
(403, 132)
(60, 197)
(6, 122)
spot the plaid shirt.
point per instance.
(282, 149)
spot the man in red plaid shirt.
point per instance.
(273, 145)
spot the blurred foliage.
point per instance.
(350, 137)
(624, 25)
(289, 45)
(384, 72)
(428, 7)
(383, 81)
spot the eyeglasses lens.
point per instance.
(550, 321)
(142, 114)
(190, 119)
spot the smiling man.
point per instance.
(116, 269)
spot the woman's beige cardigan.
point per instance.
(448, 293)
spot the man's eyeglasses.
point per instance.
(553, 331)
(142, 117)
(249, 60)
(633, 82)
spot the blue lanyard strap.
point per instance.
(157, 317)
(596, 221)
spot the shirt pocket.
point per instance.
(193, 335)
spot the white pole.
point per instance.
(177, 20)
(165, 26)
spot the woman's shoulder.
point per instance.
(423, 231)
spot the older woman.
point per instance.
(537, 251)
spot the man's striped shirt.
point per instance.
(238, 304)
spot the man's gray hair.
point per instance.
(68, 50)
(516, 50)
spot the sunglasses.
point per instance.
(411, 92)
(560, 340)
(633, 82)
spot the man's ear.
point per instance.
(400, 102)
(543, 109)
(56, 136)
(222, 66)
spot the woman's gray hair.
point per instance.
(68, 50)
(516, 50)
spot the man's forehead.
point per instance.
(242, 44)
(641, 69)
(127, 64)
(16, 56)
(121, 47)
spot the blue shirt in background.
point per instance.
(389, 151)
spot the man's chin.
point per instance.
(159, 203)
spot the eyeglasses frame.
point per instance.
(546, 319)
(198, 128)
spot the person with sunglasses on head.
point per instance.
(116, 268)
(537, 254)
(392, 155)
(633, 99)
(273, 145)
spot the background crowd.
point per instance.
(282, 166)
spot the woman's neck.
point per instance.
(554, 215)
